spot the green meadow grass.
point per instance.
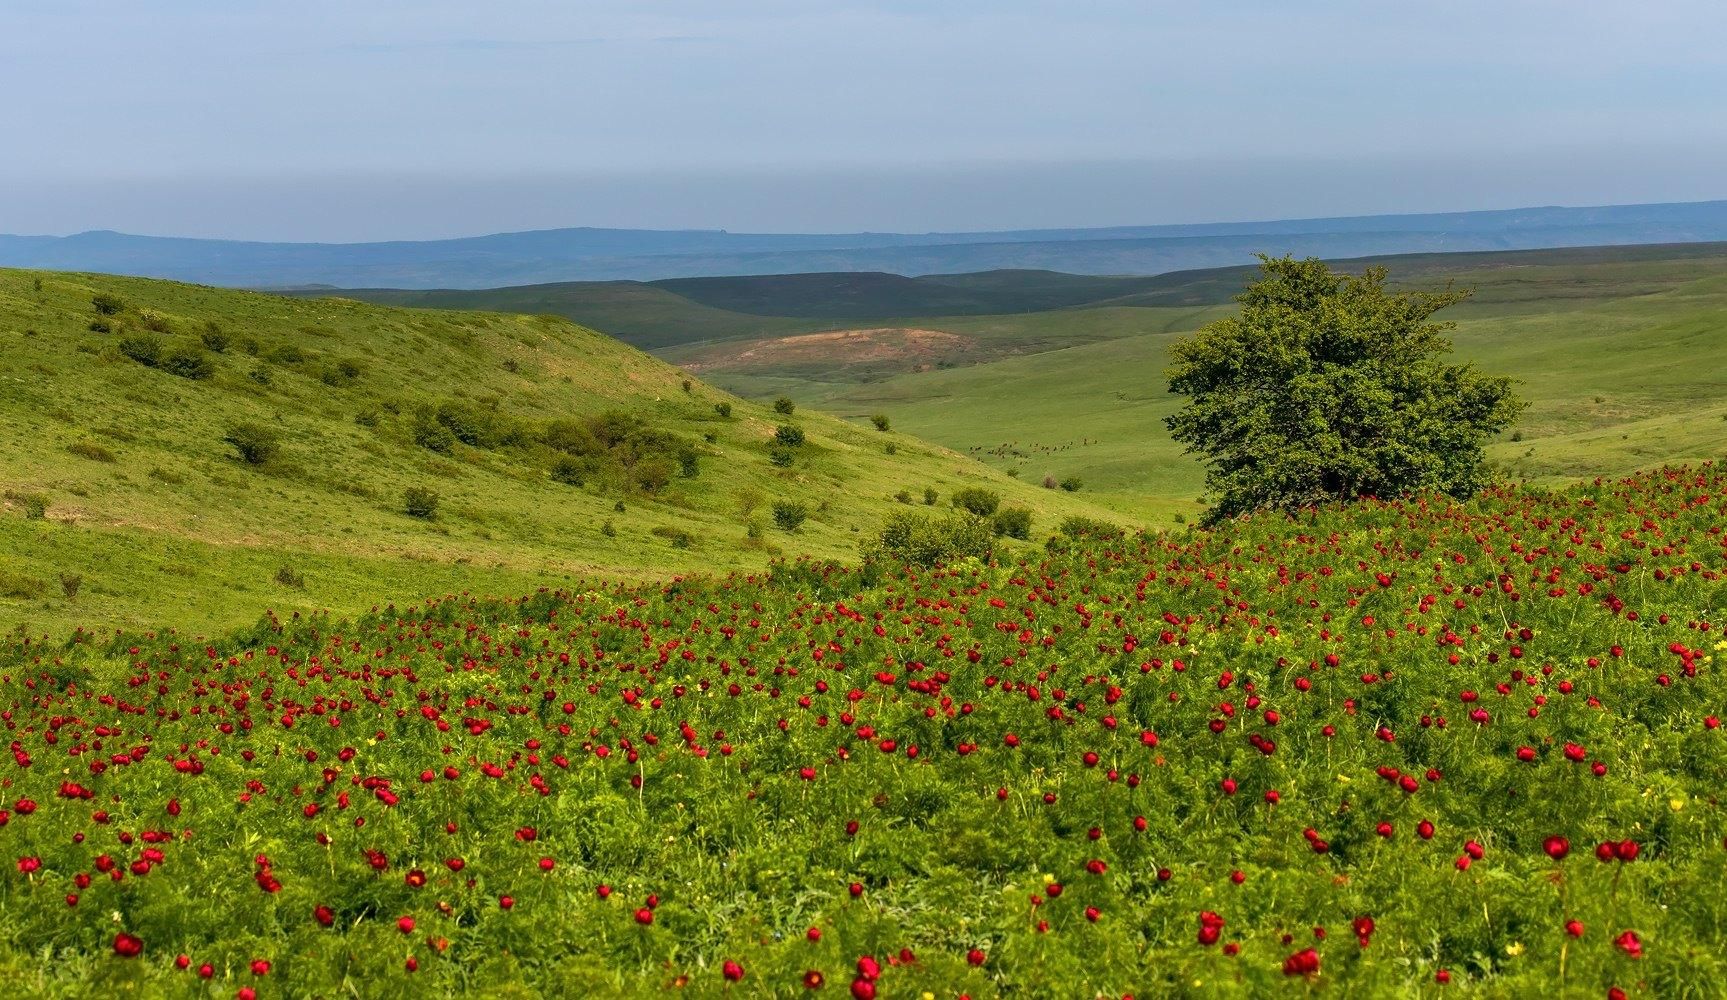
(159, 521)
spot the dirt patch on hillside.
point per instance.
(900, 349)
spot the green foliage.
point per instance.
(20, 587)
(92, 451)
(924, 540)
(1012, 522)
(976, 500)
(571, 471)
(213, 338)
(420, 502)
(881, 422)
(34, 505)
(188, 362)
(1077, 527)
(144, 348)
(781, 457)
(70, 585)
(1072, 484)
(106, 304)
(930, 496)
(785, 406)
(254, 443)
(430, 434)
(1327, 387)
(788, 436)
(288, 576)
(788, 514)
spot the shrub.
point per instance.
(1050, 483)
(214, 339)
(288, 576)
(188, 362)
(784, 405)
(651, 475)
(689, 463)
(782, 457)
(724, 410)
(689, 386)
(107, 305)
(20, 587)
(788, 514)
(609, 529)
(976, 500)
(100, 326)
(891, 449)
(34, 505)
(1013, 522)
(287, 354)
(930, 496)
(92, 451)
(432, 435)
(922, 540)
(70, 584)
(254, 443)
(368, 418)
(789, 436)
(571, 471)
(142, 348)
(903, 496)
(881, 422)
(679, 538)
(260, 375)
(420, 502)
(1072, 484)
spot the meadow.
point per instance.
(1046, 374)
(1423, 748)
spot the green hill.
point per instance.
(124, 506)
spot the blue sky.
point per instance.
(320, 119)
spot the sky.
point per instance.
(335, 120)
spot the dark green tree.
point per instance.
(1327, 387)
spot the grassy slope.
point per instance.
(173, 528)
(1625, 365)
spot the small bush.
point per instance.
(881, 422)
(976, 500)
(107, 305)
(784, 405)
(34, 505)
(789, 436)
(1013, 522)
(1086, 527)
(368, 418)
(417, 501)
(609, 529)
(261, 375)
(287, 354)
(142, 348)
(689, 463)
(891, 449)
(788, 514)
(92, 451)
(1072, 484)
(432, 435)
(724, 410)
(922, 540)
(288, 576)
(21, 587)
(1049, 483)
(214, 339)
(903, 496)
(189, 363)
(571, 471)
(679, 538)
(154, 321)
(930, 496)
(652, 475)
(782, 457)
(70, 584)
(255, 444)
(100, 326)
(689, 386)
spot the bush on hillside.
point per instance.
(923, 540)
(254, 443)
(788, 514)
(143, 348)
(976, 500)
(420, 502)
(788, 436)
(107, 305)
(1012, 522)
(724, 410)
(784, 405)
(188, 362)
(1072, 484)
(881, 422)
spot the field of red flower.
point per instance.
(1392, 749)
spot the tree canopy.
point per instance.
(1327, 387)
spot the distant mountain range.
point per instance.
(613, 254)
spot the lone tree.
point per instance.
(1326, 387)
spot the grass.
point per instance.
(145, 502)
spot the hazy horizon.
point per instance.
(337, 122)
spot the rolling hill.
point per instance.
(611, 254)
(122, 500)
(1054, 374)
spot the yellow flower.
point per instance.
(1514, 949)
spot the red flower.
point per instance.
(1556, 847)
(128, 945)
(732, 971)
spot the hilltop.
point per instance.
(557, 455)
